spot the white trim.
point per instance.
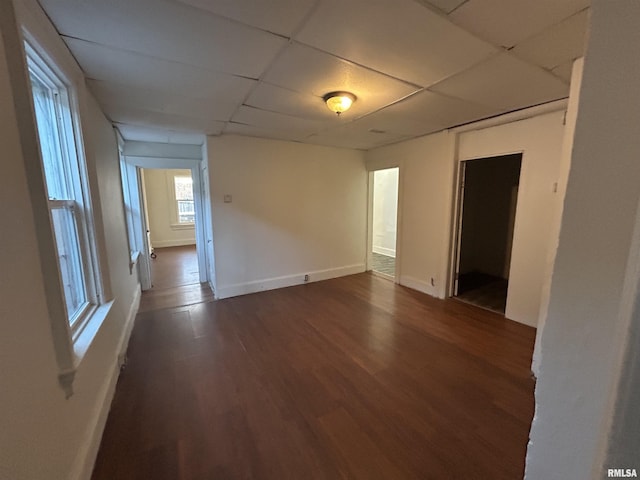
(182, 226)
(287, 281)
(169, 164)
(549, 107)
(419, 285)
(399, 208)
(388, 252)
(172, 243)
(86, 457)
(164, 150)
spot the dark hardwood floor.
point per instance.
(175, 279)
(352, 378)
(175, 267)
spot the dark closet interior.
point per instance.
(489, 202)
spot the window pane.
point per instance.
(50, 140)
(186, 211)
(69, 258)
(184, 188)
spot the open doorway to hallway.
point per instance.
(384, 220)
(169, 210)
(488, 201)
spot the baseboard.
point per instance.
(384, 251)
(86, 459)
(287, 281)
(172, 243)
(419, 285)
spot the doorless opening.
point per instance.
(489, 193)
(384, 219)
(169, 209)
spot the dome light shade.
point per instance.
(339, 102)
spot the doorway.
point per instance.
(488, 202)
(384, 221)
(132, 171)
(169, 210)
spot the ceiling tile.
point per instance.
(506, 23)
(446, 6)
(308, 70)
(278, 16)
(289, 102)
(251, 131)
(558, 44)
(398, 37)
(424, 113)
(277, 121)
(504, 83)
(353, 135)
(564, 71)
(389, 122)
(141, 72)
(169, 30)
(146, 118)
(115, 94)
(146, 134)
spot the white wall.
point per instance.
(554, 229)
(385, 211)
(43, 435)
(161, 209)
(583, 405)
(424, 216)
(540, 141)
(296, 209)
(428, 167)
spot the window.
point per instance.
(67, 192)
(183, 188)
(128, 174)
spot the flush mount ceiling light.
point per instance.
(339, 102)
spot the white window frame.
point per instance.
(175, 216)
(71, 336)
(127, 175)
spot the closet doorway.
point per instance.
(486, 219)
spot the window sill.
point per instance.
(82, 343)
(183, 226)
(133, 260)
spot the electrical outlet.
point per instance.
(306, 278)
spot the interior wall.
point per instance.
(424, 213)
(487, 224)
(428, 166)
(160, 211)
(585, 380)
(385, 211)
(554, 229)
(45, 435)
(293, 209)
(540, 141)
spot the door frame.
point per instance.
(369, 240)
(140, 226)
(456, 233)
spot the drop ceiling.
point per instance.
(173, 70)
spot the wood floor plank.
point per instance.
(352, 378)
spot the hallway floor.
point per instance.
(176, 280)
(354, 377)
(383, 264)
(174, 267)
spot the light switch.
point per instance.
(227, 198)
